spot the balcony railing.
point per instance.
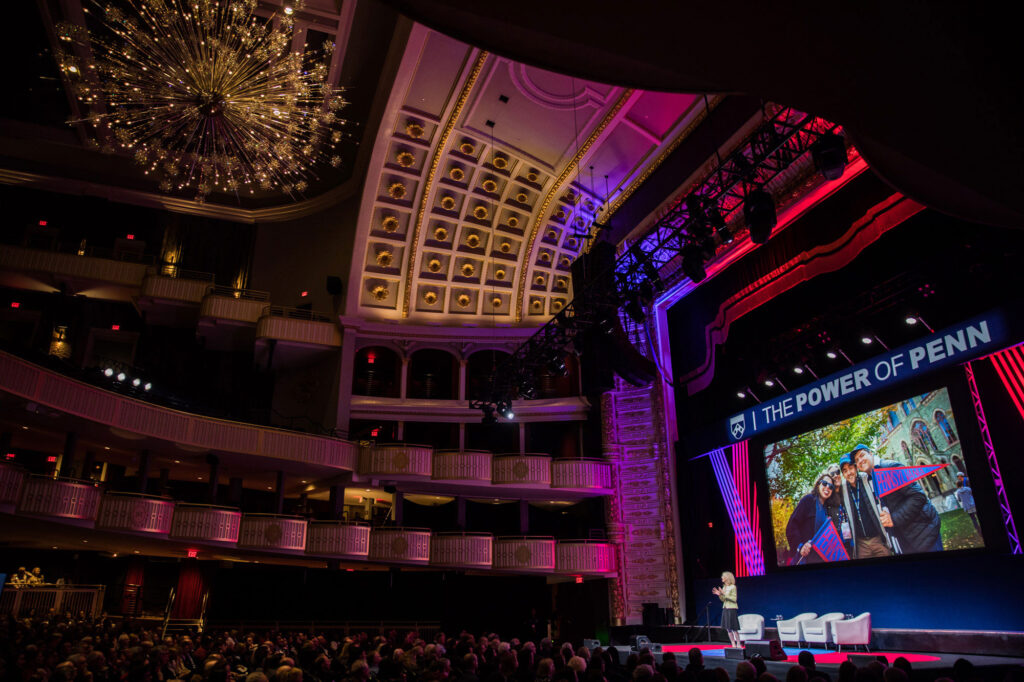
(338, 539)
(44, 386)
(205, 523)
(22, 601)
(184, 285)
(239, 305)
(585, 556)
(581, 473)
(468, 550)
(298, 325)
(395, 459)
(462, 465)
(273, 531)
(524, 553)
(400, 545)
(92, 265)
(11, 478)
(65, 498)
(136, 513)
(532, 470)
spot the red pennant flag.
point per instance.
(827, 543)
(894, 478)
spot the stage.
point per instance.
(827, 660)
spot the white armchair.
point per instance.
(853, 631)
(751, 626)
(792, 630)
(819, 630)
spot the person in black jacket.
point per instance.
(906, 513)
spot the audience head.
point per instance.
(796, 673)
(745, 672)
(903, 664)
(696, 656)
(578, 664)
(806, 659)
(895, 675)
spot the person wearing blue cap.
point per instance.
(907, 515)
(867, 536)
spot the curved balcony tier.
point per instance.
(184, 288)
(205, 523)
(235, 305)
(524, 553)
(64, 498)
(298, 326)
(136, 513)
(527, 470)
(462, 465)
(395, 460)
(467, 550)
(595, 474)
(584, 556)
(400, 545)
(59, 392)
(11, 479)
(338, 539)
(273, 531)
(71, 266)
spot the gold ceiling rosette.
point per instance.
(207, 96)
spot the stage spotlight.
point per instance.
(508, 413)
(693, 263)
(695, 207)
(829, 154)
(724, 234)
(121, 376)
(831, 355)
(708, 247)
(759, 212)
(108, 372)
(147, 386)
(136, 381)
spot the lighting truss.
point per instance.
(784, 137)
(993, 463)
(778, 142)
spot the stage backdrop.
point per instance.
(947, 592)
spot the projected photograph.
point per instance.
(887, 482)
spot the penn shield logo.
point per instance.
(737, 425)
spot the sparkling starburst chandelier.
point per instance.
(207, 96)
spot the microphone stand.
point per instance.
(707, 624)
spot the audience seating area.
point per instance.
(65, 648)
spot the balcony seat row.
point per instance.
(85, 503)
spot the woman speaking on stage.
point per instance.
(730, 621)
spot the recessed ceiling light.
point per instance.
(106, 447)
(136, 551)
(54, 547)
(831, 355)
(199, 477)
(24, 428)
(85, 541)
(270, 487)
(305, 481)
(866, 340)
(741, 394)
(177, 461)
(911, 319)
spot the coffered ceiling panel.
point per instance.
(480, 194)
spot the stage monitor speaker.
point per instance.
(334, 286)
(734, 653)
(864, 659)
(592, 643)
(768, 649)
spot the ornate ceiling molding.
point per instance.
(557, 187)
(439, 150)
(177, 204)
